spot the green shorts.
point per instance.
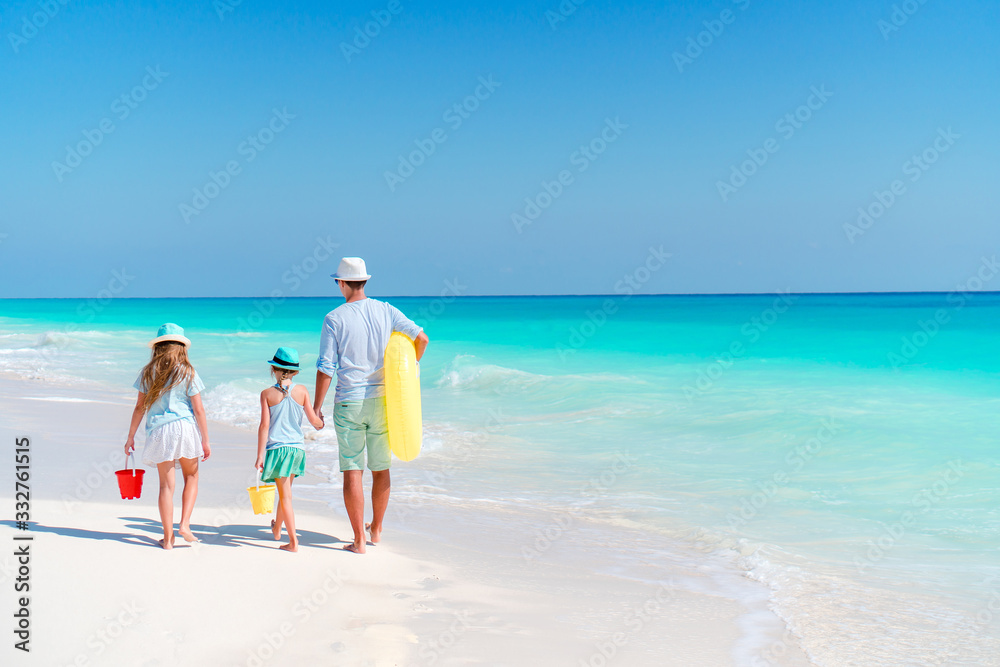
(360, 425)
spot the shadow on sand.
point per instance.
(235, 535)
(149, 531)
(127, 538)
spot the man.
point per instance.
(352, 346)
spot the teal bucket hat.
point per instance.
(286, 358)
(170, 333)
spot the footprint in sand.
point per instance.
(421, 607)
(400, 596)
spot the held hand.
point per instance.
(207, 448)
(129, 446)
(259, 465)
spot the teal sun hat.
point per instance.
(170, 333)
(286, 358)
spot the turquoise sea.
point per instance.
(839, 452)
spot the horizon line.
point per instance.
(488, 296)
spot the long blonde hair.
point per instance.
(168, 367)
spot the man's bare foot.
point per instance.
(276, 530)
(188, 535)
(165, 543)
(355, 548)
(290, 547)
(376, 534)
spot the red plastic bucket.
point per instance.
(130, 481)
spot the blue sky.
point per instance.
(645, 141)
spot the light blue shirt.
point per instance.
(172, 405)
(285, 426)
(352, 346)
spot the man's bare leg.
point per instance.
(380, 501)
(354, 502)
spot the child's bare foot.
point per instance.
(187, 535)
(291, 546)
(355, 548)
(375, 532)
(167, 544)
(276, 529)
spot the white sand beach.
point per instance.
(438, 590)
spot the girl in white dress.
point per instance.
(176, 428)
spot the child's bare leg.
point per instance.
(287, 512)
(189, 468)
(279, 519)
(166, 502)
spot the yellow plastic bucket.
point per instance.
(262, 497)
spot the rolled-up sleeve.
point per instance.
(327, 361)
(401, 322)
(196, 386)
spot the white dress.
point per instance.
(171, 431)
(175, 440)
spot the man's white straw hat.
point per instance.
(351, 268)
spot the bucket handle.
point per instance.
(133, 462)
